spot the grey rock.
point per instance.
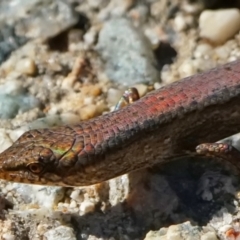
(13, 99)
(24, 20)
(127, 52)
(9, 41)
(61, 232)
(10, 105)
(48, 19)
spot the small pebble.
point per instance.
(73, 204)
(180, 23)
(219, 25)
(224, 228)
(90, 36)
(101, 107)
(232, 58)
(142, 89)
(88, 100)
(86, 207)
(12, 87)
(60, 205)
(5, 141)
(203, 50)
(88, 111)
(114, 95)
(75, 35)
(61, 232)
(69, 118)
(8, 236)
(11, 105)
(157, 85)
(92, 90)
(14, 100)
(222, 52)
(139, 13)
(76, 195)
(48, 121)
(68, 81)
(26, 66)
(66, 205)
(209, 236)
(191, 8)
(187, 69)
(174, 233)
(153, 36)
(42, 228)
(95, 3)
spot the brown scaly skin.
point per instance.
(165, 124)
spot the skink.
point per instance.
(163, 125)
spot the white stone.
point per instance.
(8, 236)
(209, 236)
(11, 87)
(202, 50)
(61, 232)
(187, 68)
(142, 89)
(5, 141)
(47, 197)
(220, 25)
(87, 207)
(90, 36)
(88, 111)
(88, 100)
(180, 23)
(174, 233)
(70, 118)
(76, 195)
(222, 52)
(118, 189)
(113, 96)
(153, 36)
(157, 85)
(224, 228)
(26, 66)
(73, 204)
(16, 133)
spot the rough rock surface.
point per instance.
(60, 75)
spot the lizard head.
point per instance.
(34, 161)
(62, 157)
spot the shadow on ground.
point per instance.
(187, 190)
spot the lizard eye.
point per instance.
(35, 167)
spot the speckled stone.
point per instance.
(127, 53)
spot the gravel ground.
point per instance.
(68, 61)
